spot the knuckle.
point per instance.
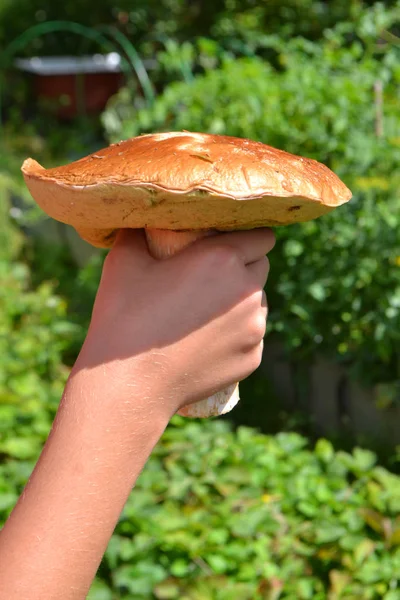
(253, 360)
(259, 326)
(266, 264)
(270, 239)
(264, 300)
(257, 355)
(267, 238)
(224, 256)
(257, 302)
(257, 329)
(264, 268)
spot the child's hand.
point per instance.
(181, 328)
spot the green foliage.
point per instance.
(335, 283)
(10, 237)
(223, 515)
(34, 333)
(11, 188)
(239, 25)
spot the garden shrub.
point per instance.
(223, 515)
(334, 285)
(238, 24)
(34, 333)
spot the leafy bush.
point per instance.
(237, 24)
(223, 515)
(228, 515)
(335, 283)
(34, 333)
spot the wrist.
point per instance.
(124, 391)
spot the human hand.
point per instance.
(183, 328)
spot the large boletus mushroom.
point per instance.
(180, 187)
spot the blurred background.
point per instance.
(296, 494)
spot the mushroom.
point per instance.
(181, 187)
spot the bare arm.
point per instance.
(52, 544)
(162, 335)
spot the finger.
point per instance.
(263, 303)
(259, 271)
(131, 244)
(251, 245)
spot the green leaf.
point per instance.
(375, 520)
(180, 567)
(363, 550)
(317, 291)
(324, 450)
(364, 459)
(100, 591)
(167, 590)
(139, 579)
(338, 582)
(293, 248)
(392, 595)
(21, 448)
(7, 500)
(394, 539)
(217, 562)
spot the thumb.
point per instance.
(130, 246)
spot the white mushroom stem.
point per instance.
(162, 244)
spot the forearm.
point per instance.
(55, 538)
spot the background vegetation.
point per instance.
(220, 511)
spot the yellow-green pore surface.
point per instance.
(184, 181)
